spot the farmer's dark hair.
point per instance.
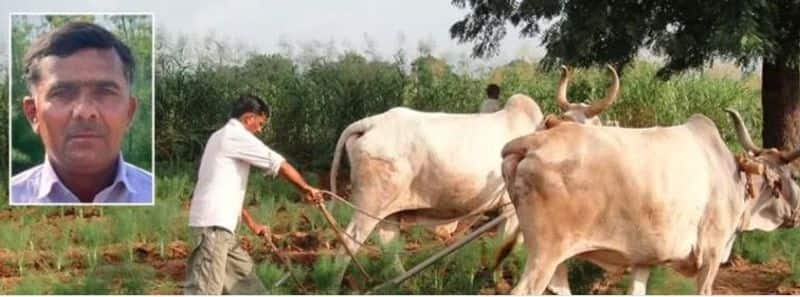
(70, 38)
(493, 91)
(249, 103)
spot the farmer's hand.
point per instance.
(313, 195)
(260, 230)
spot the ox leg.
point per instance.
(539, 270)
(523, 285)
(705, 279)
(640, 275)
(559, 284)
(511, 224)
(358, 231)
(726, 252)
(388, 232)
(445, 232)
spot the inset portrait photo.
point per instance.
(80, 104)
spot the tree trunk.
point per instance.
(780, 98)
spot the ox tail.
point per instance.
(512, 154)
(505, 249)
(355, 129)
(518, 146)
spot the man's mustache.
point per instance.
(86, 130)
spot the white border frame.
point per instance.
(152, 105)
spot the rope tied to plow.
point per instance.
(398, 224)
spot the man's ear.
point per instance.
(131, 111)
(245, 117)
(29, 108)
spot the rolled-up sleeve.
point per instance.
(248, 148)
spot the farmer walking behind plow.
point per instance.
(218, 264)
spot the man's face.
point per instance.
(81, 108)
(253, 122)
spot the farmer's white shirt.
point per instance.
(222, 178)
(41, 185)
(490, 106)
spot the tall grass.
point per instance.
(665, 281)
(33, 284)
(270, 274)
(324, 275)
(14, 236)
(93, 235)
(61, 245)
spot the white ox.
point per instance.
(429, 168)
(643, 197)
(433, 168)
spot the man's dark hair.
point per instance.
(249, 103)
(493, 91)
(70, 38)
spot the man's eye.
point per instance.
(62, 94)
(107, 91)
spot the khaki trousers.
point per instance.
(219, 265)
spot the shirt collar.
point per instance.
(236, 123)
(49, 179)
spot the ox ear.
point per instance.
(789, 157)
(749, 166)
(551, 121)
(765, 218)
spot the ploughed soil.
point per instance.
(741, 277)
(737, 277)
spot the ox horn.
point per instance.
(611, 96)
(741, 131)
(788, 157)
(561, 94)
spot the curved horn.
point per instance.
(789, 157)
(611, 96)
(561, 94)
(741, 131)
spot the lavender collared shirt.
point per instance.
(41, 185)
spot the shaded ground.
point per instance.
(739, 277)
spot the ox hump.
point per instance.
(523, 103)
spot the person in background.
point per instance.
(491, 103)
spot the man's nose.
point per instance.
(85, 107)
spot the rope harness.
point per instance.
(399, 224)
